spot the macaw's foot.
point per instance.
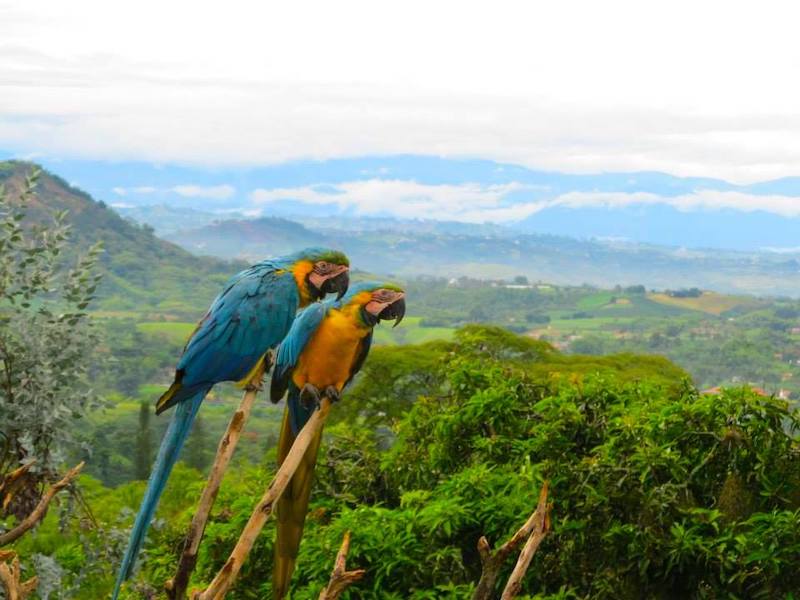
(255, 379)
(332, 393)
(309, 396)
(255, 385)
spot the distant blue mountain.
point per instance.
(664, 225)
(226, 190)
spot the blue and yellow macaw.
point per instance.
(231, 343)
(326, 346)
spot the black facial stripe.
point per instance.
(313, 291)
(369, 319)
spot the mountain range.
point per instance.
(637, 207)
(408, 249)
(161, 254)
(140, 270)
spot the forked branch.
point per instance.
(10, 576)
(39, 512)
(532, 533)
(341, 578)
(227, 575)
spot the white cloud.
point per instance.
(788, 250)
(572, 86)
(475, 203)
(469, 202)
(143, 189)
(211, 192)
(785, 206)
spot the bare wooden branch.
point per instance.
(341, 578)
(176, 587)
(492, 563)
(39, 512)
(227, 575)
(10, 576)
(10, 481)
(540, 528)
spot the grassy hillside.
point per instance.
(708, 302)
(409, 249)
(255, 238)
(142, 272)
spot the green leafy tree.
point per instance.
(658, 491)
(46, 339)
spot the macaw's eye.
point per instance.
(382, 295)
(322, 266)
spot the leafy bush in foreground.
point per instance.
(658, 492)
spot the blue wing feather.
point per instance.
(252, 315)
(305, 325)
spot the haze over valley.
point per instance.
(481, 219)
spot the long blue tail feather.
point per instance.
(171, 444)
(298, 413)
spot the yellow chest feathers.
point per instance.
(329, 356)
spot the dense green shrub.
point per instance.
(657, 491)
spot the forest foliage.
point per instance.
(658, 491)
(46, 344)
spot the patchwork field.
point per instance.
(709, 302)
(410, 331)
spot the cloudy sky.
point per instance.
(184, 96)
(689, 88)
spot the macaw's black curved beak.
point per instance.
(337, 285)
(396, 310)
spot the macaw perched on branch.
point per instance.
(231, 343)
(326, 346)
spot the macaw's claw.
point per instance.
(332, 393)
(309, 396)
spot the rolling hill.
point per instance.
(141, 271)
(397, 248)
(145, 272)
(639, 207)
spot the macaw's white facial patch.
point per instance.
(381, 299)
(323, 271)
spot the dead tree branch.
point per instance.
(39, 512)
(341, 578)
(10, 576)
(540, 529)
(11, 482)
(533, 531)
(176, 587)
(227, 575)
